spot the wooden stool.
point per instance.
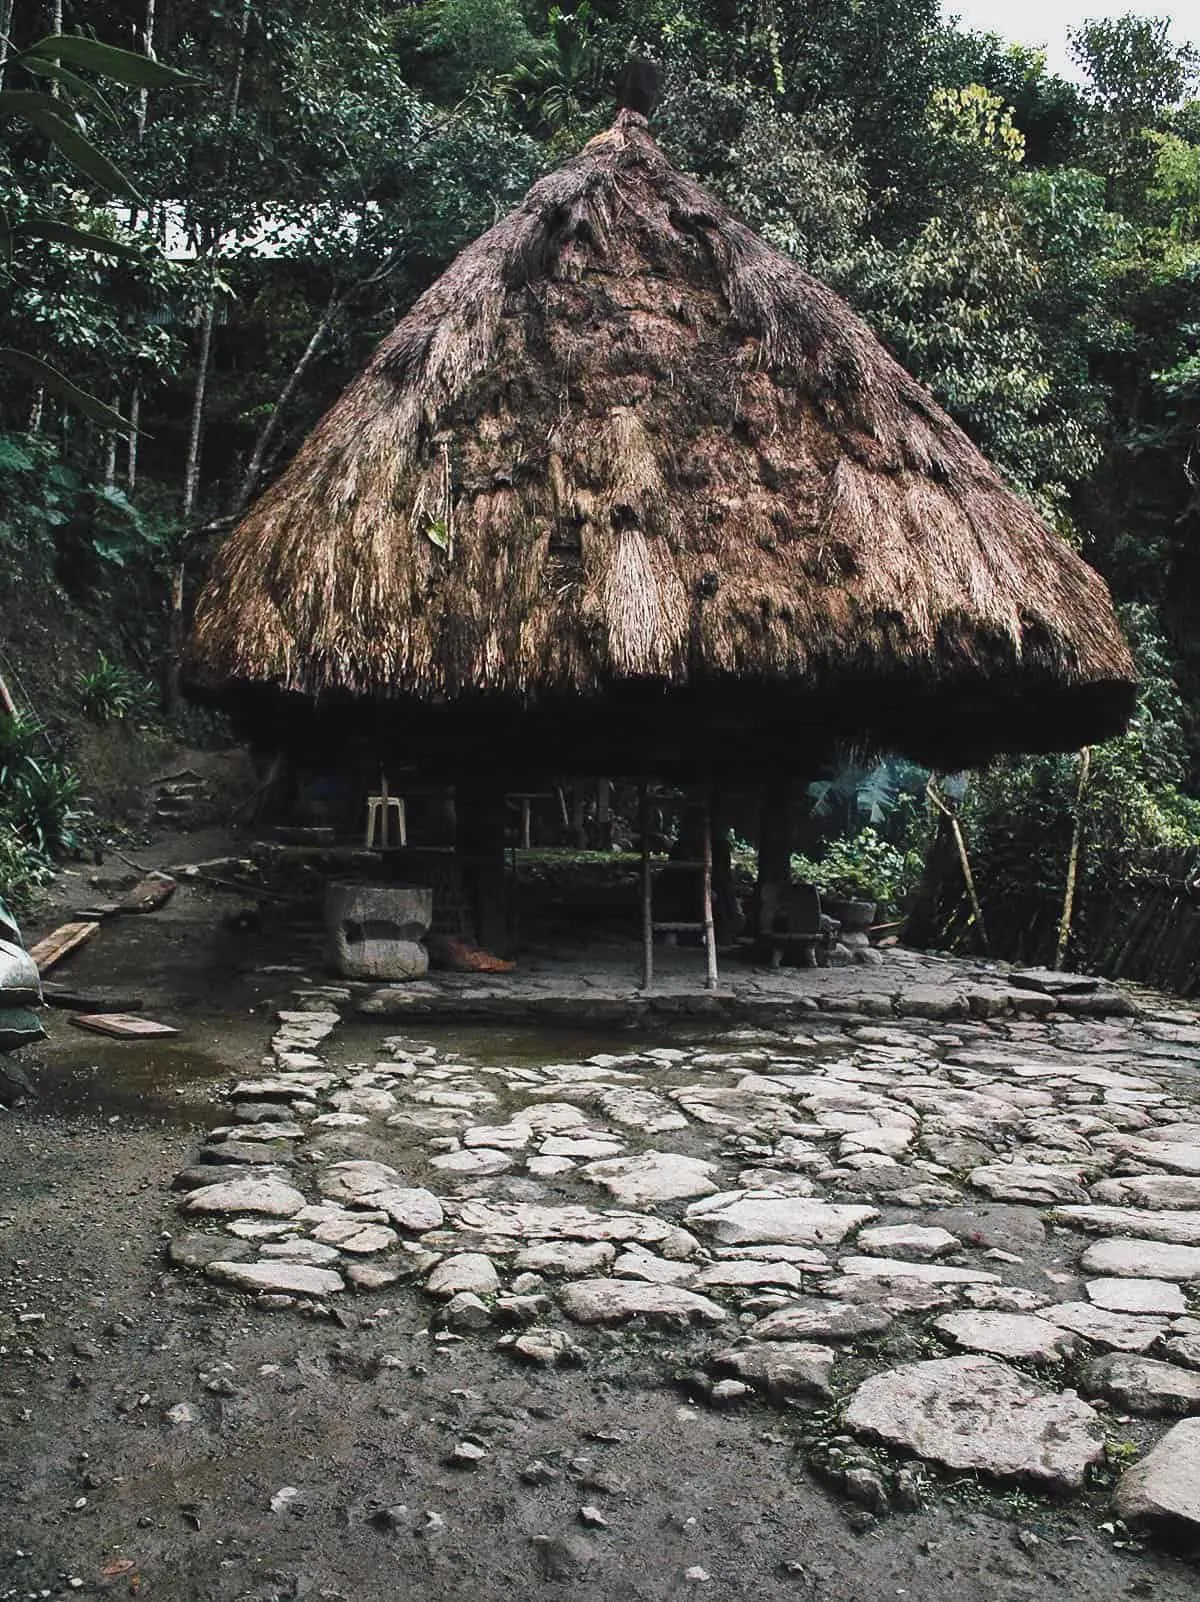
(380, 809)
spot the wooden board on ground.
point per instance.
(66, 938)
(149, 894)
(122, 1025)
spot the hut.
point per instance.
(628, 491)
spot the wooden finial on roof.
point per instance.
(638, 89)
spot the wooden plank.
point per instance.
(153, 891)
(61, 942)
(122, 1025)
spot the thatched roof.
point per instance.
(623, 449)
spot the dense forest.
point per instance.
(196, 257)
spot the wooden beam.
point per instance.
(710, 936)
(48, 953)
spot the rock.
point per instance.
(751, 1273)
(299, 1251)
(1007, 1335)
(291, 1279)
(611, 1301)
(1141, 1385)
(375, 930)
(465, 1271)
(652, 1176)
(181, 1414)
(1009, 1228)
(783, 1369)
(736, 1218)
(1043, 1183)
(913, 1241)
(514, 1136)
(1184, 1349)
(926, 1273)
(1142, 1259)
(570, 1258)
(930, 1001)
(366, 1099)
(373, 1276)
(639, 1264)
(1136, 1295)
(815, 1319)
(1150, 1190)
(976, 1413)
(547, 1346)
(416, 1211)
(352, 1180)
(480, 1161)
(1165, 1486)
(1176, 1228)
(1118, 1331)
(269, 1197)
(197, 1250)
(465, 1311)
(351, 1236)
(467, 1455)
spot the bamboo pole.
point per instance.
(647, 888)
(1064, 923)
(931, 790)
(710, 937)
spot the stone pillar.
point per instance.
(376, 931)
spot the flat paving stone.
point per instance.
(1121, 1332)
(411, 1208)
(1136, 1295)
(927, 1273)
(283, 1279)
(1017, 1335)
(736, 1219)
(570, 1257)
(268, 1197)
(1142, 1259)
(1143, 1385)
(1164, 1488)
(1176, 1228)
(976, 1413)
(820, 1320)
(1150, 1190)
(915, 1242)
(613, 1301)
(734, 1274)
(1027, 1182)
(652, 1177)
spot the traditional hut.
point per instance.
(627, 489)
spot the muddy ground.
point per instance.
(102, 1493)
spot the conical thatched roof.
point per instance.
(623, 449)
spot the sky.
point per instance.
(1045, 22)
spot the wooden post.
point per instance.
(774, 851)
(1064, 925)
(604, 814)
(710, 936)
(385, 833)
(526, 824)
(647, 888)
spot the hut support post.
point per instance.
(774, 851)
(1064, 924)
(479, 847)
(710, 935)
(647, 887)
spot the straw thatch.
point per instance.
(623, 447)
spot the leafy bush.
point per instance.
(23, 869)
(110, 693)
(38, 791)
(861, 867)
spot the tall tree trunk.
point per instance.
(135, 413)
(269, 430)
(6, 16)
(191, 477)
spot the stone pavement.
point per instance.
(1013, 1191)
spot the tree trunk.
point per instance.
(191, 480)
(270, 428)
(774, 852)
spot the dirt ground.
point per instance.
(102, 1491)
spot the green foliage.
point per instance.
(111, 693)
(23, 869)
(37, 790)
(862, 866)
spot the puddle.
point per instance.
(156, 1081)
